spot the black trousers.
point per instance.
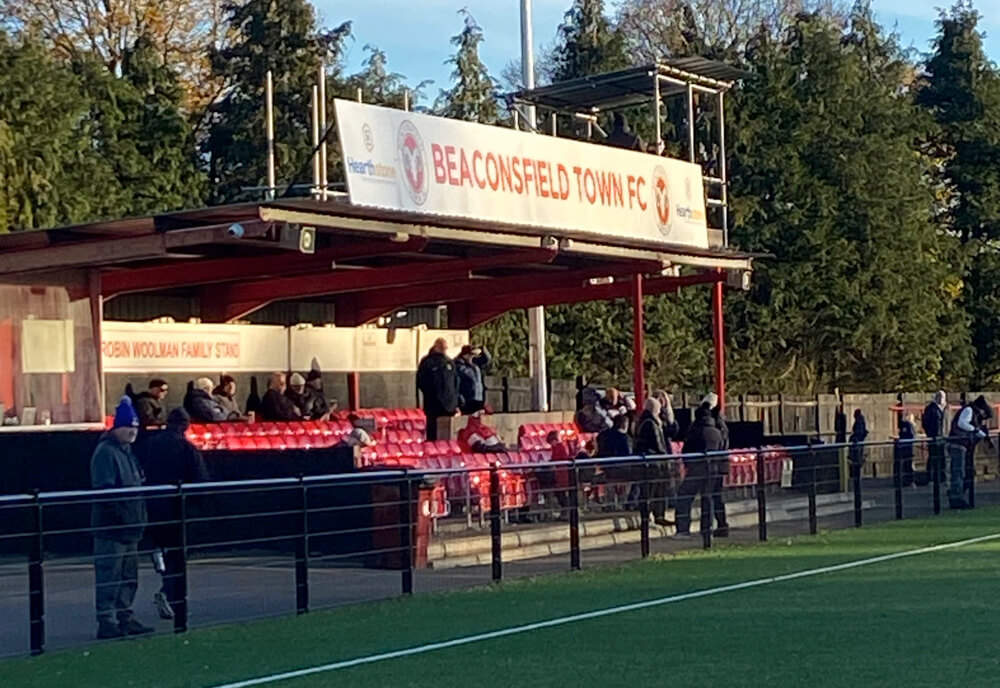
(706, 483)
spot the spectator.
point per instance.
(437, 381)
(671, 428)
(967, 429)
(321, 408)
(470, 365)
(225, 396)
(615, 403)
(615, 441)
(703, 437)
(592, 418)
(296, 393)
(859, 432)
(169, 458)
(149, 404)
(118, 525)
(903, 464)
(932, 421)
(202, 407)
(554, 479)
(649, 441)
(623, 137)
(480, 438)
(275, 406)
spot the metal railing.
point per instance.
(296, 544)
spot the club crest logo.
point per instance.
(661, 199)
(410, 148)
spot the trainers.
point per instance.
(722, 532)
(664, 522)
(682, 535)
(133, 627)
(163, 608)
(107, 628)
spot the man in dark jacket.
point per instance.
(932, 421)
(471, 385)
(202, 406)
(615, 441)
(275, 406)
(623, 137)
(118, 524)
(968, 428)
(703, 437)
(149, 404)
(649, 441)
(437, 381)
(169, 458)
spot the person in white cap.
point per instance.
(201, 406)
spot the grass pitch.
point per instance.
(925, 620)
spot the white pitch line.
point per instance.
(563, 620)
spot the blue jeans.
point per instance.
(957, 454)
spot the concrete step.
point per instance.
(531, 543)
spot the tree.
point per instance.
(280, 36)
(180, 31)
(378, 85)
(472, 97)
(52, 174)
(721, 29)
(587, 43)
(961, 90)
(861, 293)
(141, 133)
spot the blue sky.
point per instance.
(415, 33)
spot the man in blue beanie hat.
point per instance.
(118, 524)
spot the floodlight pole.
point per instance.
(536, 316)
(269, 130)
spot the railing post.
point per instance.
(813, 520)
(180, 586)
(706, 506)
(897, 477)
(36, 581)
(302, 552)
(644, 511)
(496, 543)
(574, 518)
(406, 531)
(856, 474)
(761, 497)
(970, 475)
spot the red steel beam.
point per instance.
(484, 310)
(638, 343)
(214, 270)
(233, 301)
(370, 305)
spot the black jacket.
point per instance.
(167, 458)
(150, 410)
(932, 420)
(204, 409)
(703, 435)
(275, 406)
(612, 442)
(437, 380)
(649, 440)
(317, 402)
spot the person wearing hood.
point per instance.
(671, 428)
(296, 393)
(169, 458)
(149, 404)
(470, 366)
(437, 381)
(200, 405)
(649, 441)
(903, 463)
(932, 421)
(968, 427)
(118, 525)
(321, 408)
(703, 476)
(622, 136)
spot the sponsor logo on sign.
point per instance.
(661, 199)
(410, 147)
(368, 137)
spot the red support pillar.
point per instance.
(719, 340)
(638, 343)
(353, 391)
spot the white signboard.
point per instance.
(419, 163)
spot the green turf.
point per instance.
(928, 620)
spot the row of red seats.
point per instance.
(412, 420)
